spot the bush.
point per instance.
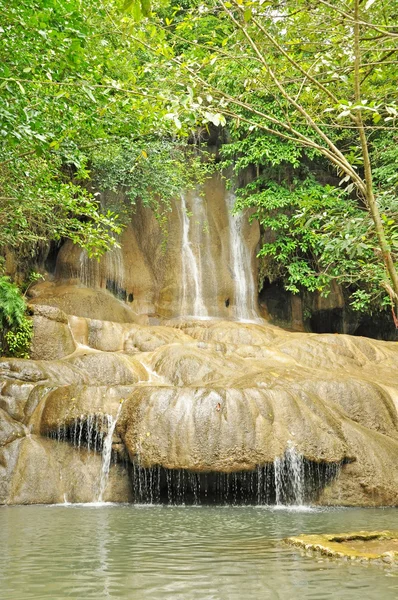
(16, 327)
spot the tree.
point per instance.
(318, 75)
(75, 97)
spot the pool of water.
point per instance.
(181, 553)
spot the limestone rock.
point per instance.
(361, 546)
(13, 397)
(105, 368)
(8, 461)
(75, 299)
(203, 396)
(10, 429)
(65, 404)
(52, 337)
(50, 473)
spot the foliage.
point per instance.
(41, 204)
(12, 304)
(75, 90)
(318, 77)
(118, 92)
(315, 234)
(128, 166)
(16, 327)
(18, 340)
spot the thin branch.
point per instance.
(5, 162)
(334, 151)
(361, 21)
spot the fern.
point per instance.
(12, 304)
(16, 328)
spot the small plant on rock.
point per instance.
(16, 328)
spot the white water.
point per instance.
(114, 265)
(192, 302)
(289, 477)
(241, 266)
(107, 452)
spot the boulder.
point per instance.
(52, 337)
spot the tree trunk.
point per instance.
(369, 195)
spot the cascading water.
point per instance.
(289, 478)
(88, 270)
(288, 481)
(84, 432)
(245, 289)
(192, 302)
(94, 434)
(107, 452)
(114, 268)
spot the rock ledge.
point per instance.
(362, 546)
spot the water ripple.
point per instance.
(170, 553)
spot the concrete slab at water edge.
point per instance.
(362, 546)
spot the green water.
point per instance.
(184, 553)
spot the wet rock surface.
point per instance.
(201, 397)
(52, 337)
(362, 546)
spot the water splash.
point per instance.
(192, 302)
(245, 308)
(107, 452)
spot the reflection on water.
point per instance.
(192, 553)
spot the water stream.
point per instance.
(241, 265)
(192, 302)
(289, 481)
(107, 452)
(289, 476)
(109, 272)
(199, 286)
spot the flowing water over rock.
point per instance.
(275, 484)
(191, 282)
(241, 264)
(110, 273)
(212, 412)
(107, 452)
(192, 409)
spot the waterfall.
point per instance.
(287, 481)
(241, 266)
(89, 272)
(192, 302)
(289, 478)
(107, 452)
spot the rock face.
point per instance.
(52, 337)
(191, 266)
(128, 396)
(202, 397)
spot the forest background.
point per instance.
(111, 94)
